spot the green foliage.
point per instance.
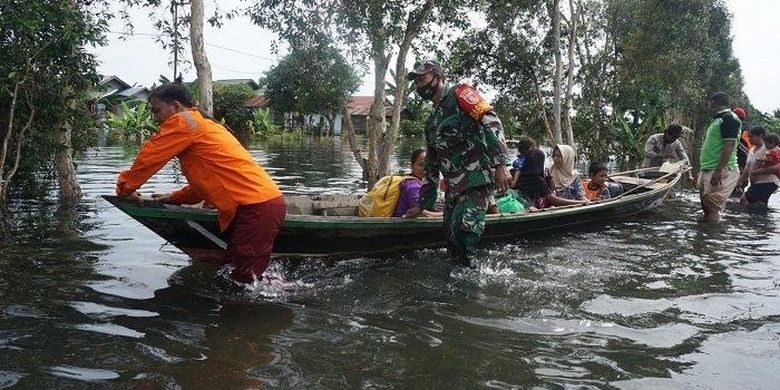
(261, 126)
(132, 125)
(362, 26)
(229, 108)
(412, 128)
(414, 114)
(676, 52)
(42, 56)
(510, 55)
(636, 59)
(311, 79)
(518, 120)
(629, 137)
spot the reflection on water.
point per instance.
(89, 298)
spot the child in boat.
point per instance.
(529, 179)
(409, 189)
(595, 187)
(772, 159)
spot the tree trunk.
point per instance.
(570, 74)
(349, 131)
(556, 20)
(202, 65)
(377, 121)
(6, 176)
(70, 192)
(413, 25)
(6, 140)
(543, 111)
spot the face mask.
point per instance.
(427, 92)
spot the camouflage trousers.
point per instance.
(464, 222)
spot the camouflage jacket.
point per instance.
(464, 141)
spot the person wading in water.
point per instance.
(465, 143)
(219, 171)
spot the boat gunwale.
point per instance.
(294, 221)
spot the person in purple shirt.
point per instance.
(410, 187)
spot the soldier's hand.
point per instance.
(503, 179)
(413, 212)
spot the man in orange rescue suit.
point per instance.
(219, 171)
(465, 143)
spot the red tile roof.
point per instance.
(361, 105)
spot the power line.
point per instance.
(206, 43)
(239, 52)
(235, 71)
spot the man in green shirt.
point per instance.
(718, 161)
(464, 143)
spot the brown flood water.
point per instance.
(91, 299)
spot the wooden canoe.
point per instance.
(328, 226)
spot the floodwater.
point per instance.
(91, 299)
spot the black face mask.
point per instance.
(427, 92)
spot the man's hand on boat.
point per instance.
(162, 198)
(135, 197)
(503, 178)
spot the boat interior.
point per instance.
(347, 205)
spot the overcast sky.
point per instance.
(242, 50)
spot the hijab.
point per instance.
(564, 176)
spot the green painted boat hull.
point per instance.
(195, 230)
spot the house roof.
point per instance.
(119, 81)
(361, 105)
(257, 102)
(251, 83)
(357, 105)
(133, 91)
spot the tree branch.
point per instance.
(19, 141)
(10, 129)
(414, 23)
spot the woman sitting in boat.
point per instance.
(409, 189)
(529, 180)
(596, 188)
(219, 171)
(565, 178)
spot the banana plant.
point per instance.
(261, 125)
(132, 123)
(630, 139)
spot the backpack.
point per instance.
(382, 199)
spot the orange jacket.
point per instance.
(218, 169)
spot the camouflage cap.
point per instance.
(425, 67)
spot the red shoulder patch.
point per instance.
(470, 101)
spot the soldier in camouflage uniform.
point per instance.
(465, 143)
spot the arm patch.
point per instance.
(469, 100)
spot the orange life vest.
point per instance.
(592, 195)
(746, 139)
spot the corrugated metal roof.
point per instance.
(257, 102)
(132, 91)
